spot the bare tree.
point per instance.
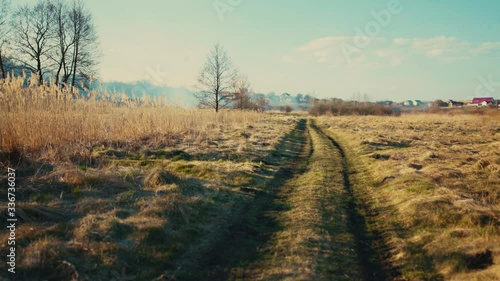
(262, 102)
(84, 48)
(56, 38)
(216, 80)
(64, 42)
(242, 95)
(4, 7)
(32, 32)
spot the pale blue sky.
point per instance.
(428, 49)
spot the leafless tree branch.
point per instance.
(216, 80)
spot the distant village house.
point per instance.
(482, 101)
(414, 103)
(452, 103)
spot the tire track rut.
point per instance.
(303, 225)
(368, 257)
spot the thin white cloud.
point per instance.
(446, 49)
(329, 50)
(434, 53)
(332, 50)
(441, 42)
(322, 43)
(400, 41)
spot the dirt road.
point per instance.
(303, 225)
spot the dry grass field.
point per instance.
(432, 186)
(104, 188)
(115, 190)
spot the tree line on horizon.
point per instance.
(53, 40)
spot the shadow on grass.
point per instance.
(252, 226)
(387, 144)
(50, 213)
(102, 156)
(186, 220)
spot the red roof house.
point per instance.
(482, 101)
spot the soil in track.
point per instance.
(303, 225)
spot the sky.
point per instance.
(384, 49)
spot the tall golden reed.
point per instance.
(35, 117)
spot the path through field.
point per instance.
(304, 225)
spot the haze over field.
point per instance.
(426, 50)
